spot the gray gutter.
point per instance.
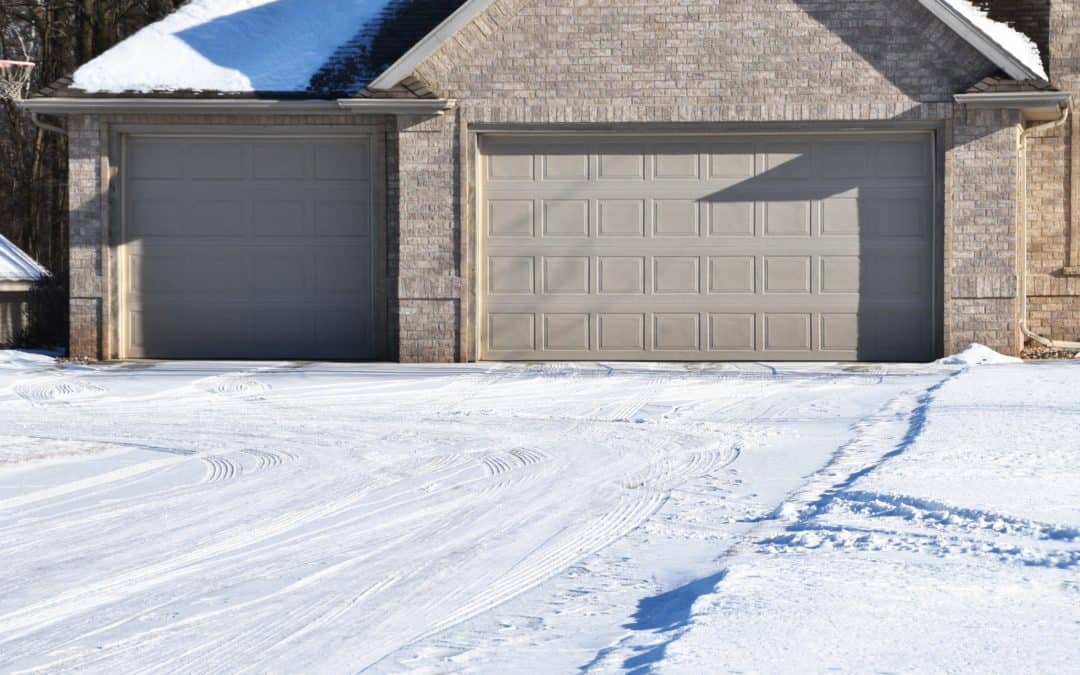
(206, 106)
(978, 39)
(1015, 99)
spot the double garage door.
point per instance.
(787, 247)
(249, 247)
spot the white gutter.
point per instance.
(1015, 99)
(1024, 328)
(202, 106)
(7, 286)
(405, 65)
(963, 26)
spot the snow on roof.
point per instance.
(16, 265)
(1019, 46)
(233, 46)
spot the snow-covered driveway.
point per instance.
(331, 518)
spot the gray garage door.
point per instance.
(787, 247)
(248, 248)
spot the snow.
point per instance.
(233, 46)
(14, 359)
(15, 265)
(1008, 38)
(977, 355)
(284, 517)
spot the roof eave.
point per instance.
(997, 54)
(430, 44)
(142, 104)
(15, 285)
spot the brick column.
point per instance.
(1065, 75)
(88, 238)
(429, 281)
(982, 249)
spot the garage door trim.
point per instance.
(480, 135)
(119, 135)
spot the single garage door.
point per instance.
(248, 247)
(786, 247)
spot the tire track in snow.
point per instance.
(237, 386)
(629, 513)
(97, 480)
(220, 468)
(36, 616)
(52, 392)
(269, 459)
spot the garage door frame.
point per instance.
(113, 162)
(473, 331)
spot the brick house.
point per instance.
(579, 179)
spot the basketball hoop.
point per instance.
(14, 79)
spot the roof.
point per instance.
(15, 265)
(328, 48)
(1005, 46)
(334, 48)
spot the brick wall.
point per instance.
(601, 62)
(1052, 201)
(982, 265)
(633, 61)
(429, 283)
(88, 238)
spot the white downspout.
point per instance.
(1046, 342)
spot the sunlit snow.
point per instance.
(332, 518)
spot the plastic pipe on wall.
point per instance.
(1028, 333)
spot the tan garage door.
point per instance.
(787, 247)
(248, 247)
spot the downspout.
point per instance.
(45, 126)
(1022, 146)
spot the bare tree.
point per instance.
(57, 35)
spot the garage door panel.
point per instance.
(342, 162)
(732, 219)
(732, 274)
(621, 332)
(249, 248)
(614, 163)
(732, 161)
(510, 218)
(676, 218)
(567, 332)
(564, 163)
(732, 332)
(217, 160)
(281, 159)
(566, 217)
(676, 162)
(621, 218)
(281, 218)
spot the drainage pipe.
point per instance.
(1028, 333)
(45, 126)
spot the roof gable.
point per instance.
(1005, 46)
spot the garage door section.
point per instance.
(248, 248)
(793, 247)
